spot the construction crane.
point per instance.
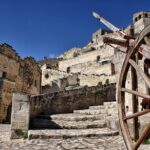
(126, 41)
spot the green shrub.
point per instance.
(100, 83)
(107, 81)
(21, 133)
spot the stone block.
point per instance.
(20, 116)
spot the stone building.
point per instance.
(16, 75)
(97, 62)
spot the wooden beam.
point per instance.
(109, 40)
(140, 71)
(137, 114)
(136, 93)
(135, 102)
(143, 136)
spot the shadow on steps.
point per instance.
(43, 122)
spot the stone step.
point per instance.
(97, 107)
(82, 124)
(77, 117)
(112, 111)
(65, 133)
(61, 124)
(90, 111)
(110, 104)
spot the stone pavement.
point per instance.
(86, 143)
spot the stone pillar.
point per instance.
(20, 116)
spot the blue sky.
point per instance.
(41, 28)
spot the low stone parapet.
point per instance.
(26, 108)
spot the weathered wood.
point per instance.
(134, 83)
(109, 40)
(136, 93)
(137, 114)
(131, 53)
(124, 129)
(140, 71)
(147, 73)
(143, 136)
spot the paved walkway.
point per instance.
(105, 143)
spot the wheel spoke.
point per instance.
(143, 136)
(136, 93)
(135, 115)
(140, 71)
(135, 103)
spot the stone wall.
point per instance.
(86, 57)
(67, 101)
(26, 108)
(49, 75)
(16, 75)
(60, 84)
(94, 80)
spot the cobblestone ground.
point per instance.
(106, 143)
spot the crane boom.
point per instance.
(105, 22)
(108, 24)
(143, 49)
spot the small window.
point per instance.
(98, 58)
(93, 48)
(104, 62)
(146, 15)
(78, 80)
(4, 74)
(132, 31)
(46, 76)
(140, 16)
(112, 69)
(48, 66)
(136, 19)
(68, 69)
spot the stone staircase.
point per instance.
(96, 121)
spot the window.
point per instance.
(146, 15)
(46, 76)
(112, 69)
(136, 19)
(68, 69)
(105, 62)
(140, 16)
(78, 80)
(48, 66)
(4, 74)
(98, 58)
(132, 31)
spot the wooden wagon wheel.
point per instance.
(132, 65)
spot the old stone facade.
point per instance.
(16, 75)
(97, 62)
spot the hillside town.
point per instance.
(70, 102)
